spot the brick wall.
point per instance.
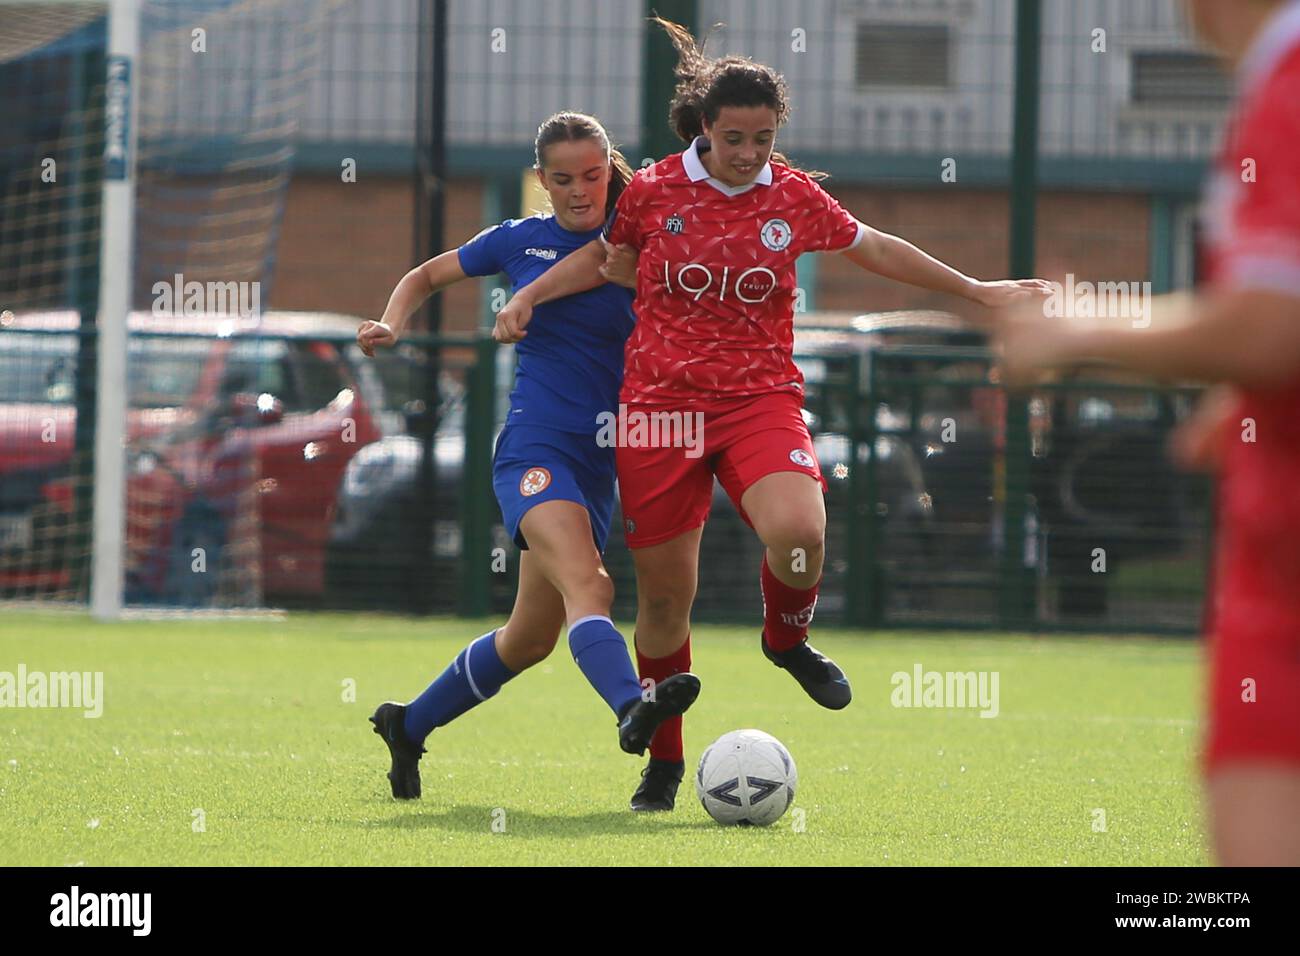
(1095, 236)
(344, 246)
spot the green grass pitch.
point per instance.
(235, 742)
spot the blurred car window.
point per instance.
(43, 369)
(260, 366)
(320, 379)
(163, 373)
(36, 368)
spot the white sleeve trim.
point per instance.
(857, 240)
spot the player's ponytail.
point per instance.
(620, 175)
(567, 127)
(686, 112)
(705, 86)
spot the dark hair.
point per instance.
(568, 127)
(705, 86)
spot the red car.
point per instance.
(238, 435)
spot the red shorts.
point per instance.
(1254, 644)
(666, 488)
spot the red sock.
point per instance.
(667, 741)
(787, 611)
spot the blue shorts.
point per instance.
(533, 464)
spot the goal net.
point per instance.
(215, 92)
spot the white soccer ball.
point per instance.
(746, 776)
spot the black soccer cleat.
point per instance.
(404, 776)
(658, 788)
(672, 697)
(816, 673)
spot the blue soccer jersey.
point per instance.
(570, 365)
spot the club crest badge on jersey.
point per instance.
(534, 481)
(675, 224)
(801, 457)
(776, 234)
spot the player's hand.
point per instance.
(620, 265)
(1198, 442)
(372, 334)
(1029, 344)
(1004, 292)
(511, 321)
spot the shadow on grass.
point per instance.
(524, 823)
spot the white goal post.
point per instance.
(116, 271)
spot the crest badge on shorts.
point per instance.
(776, 234)
(534, 481)
(801, 457)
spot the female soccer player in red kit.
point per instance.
(718, 229)
(1241, 331)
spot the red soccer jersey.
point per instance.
(1253, 242)
(1252, 211)
(716, 277)
(1252, 224)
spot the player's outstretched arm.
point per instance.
(896, 258)
(416, 286)
(1244, 337)
(576, 272)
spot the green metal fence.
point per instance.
(913, 439)
(1083, 524)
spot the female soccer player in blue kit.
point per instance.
(554, 483)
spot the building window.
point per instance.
(1181, 80)
(900, 55)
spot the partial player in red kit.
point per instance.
(1241, 332)
(718, 229)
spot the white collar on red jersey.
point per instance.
(696, 171)
(1279, 36)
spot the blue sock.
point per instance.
(475, 675)
(601, 654)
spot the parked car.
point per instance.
(238, 434)
(1095, 451)
(377, 556)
